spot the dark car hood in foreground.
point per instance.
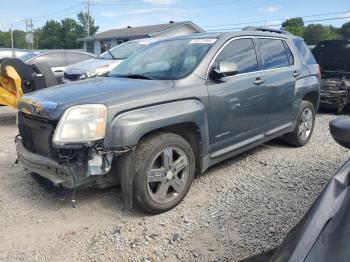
(51, 102)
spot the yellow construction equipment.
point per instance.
(18, 78)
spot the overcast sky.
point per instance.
(207, 14)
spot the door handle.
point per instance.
(259, 81)
(296, 74)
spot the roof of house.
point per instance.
(148, 30)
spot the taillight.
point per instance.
(319, 71)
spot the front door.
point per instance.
(238, 104)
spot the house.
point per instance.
(96, 44)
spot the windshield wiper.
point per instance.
(136, 76)
(106, 47)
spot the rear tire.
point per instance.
(163, 170)
(304, 126)
(46, 71)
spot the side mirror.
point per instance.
(224, 69)
(340, 130)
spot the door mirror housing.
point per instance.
(340, 130)
(223, 69)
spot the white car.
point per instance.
(106, 62)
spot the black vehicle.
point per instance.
(333, 56)
(323, 234)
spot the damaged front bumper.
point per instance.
(90, 170)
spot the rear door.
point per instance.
(279, 75)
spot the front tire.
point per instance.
(304, 127)
(163, 170)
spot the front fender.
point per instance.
(129, 127)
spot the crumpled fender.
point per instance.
(127, 128)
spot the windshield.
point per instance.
(173, 59)
(122, 51)
(27, 56)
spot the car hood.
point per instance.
(51, 102)
(91, 64)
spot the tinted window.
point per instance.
(273, 53)
(75, 57)
(289, 54)
(304, 51)
(241, 52)
(54, 59)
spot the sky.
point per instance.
(208, 14)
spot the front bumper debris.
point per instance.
(58, 174)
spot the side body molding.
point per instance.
(127, 128)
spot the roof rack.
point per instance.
(266, 29)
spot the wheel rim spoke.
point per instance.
(168, 157)
(162, 191)
(178, 184)
(156, 175)
(180, 164)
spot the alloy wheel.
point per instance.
(167, 175)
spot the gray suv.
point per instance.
(171, 110)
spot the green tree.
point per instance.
(345, 30)
(18, 39)
(315, 33)
(294, 25)
(50, 35)
(70, 32)
(84, 20)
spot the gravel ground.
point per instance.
(236, 209)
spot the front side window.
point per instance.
(53, 59)
(167, 60)
(75, 57)
(242, 53)
(273, 53)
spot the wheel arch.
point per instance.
(313, 97)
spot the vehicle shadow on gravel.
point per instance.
(110, 197)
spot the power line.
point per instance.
(307, 22)
(281, 19)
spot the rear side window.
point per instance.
(273, 53)
(304, 52)
(75, 57)
(241, 52)
(289, 54)
(53, 59)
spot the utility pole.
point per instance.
(29, 32)
(88, 18)
(11, 33)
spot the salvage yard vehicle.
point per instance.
(174, 108)
(12, 52)
(58, 60)
(333, 56)
(106, 62)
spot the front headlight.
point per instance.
(81, 124)
(98, 71)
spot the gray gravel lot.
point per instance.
(236, 209)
